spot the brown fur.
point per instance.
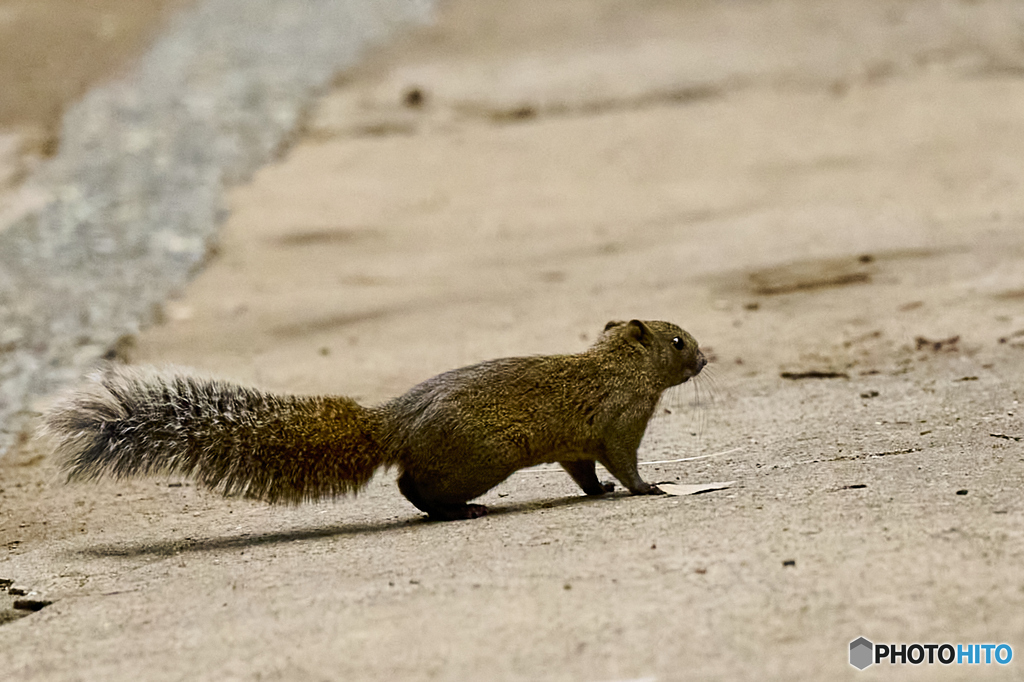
(454, 436)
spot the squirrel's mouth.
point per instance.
(700, 364)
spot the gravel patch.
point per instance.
(134, 195)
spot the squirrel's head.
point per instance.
(672, 352)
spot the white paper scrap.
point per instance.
(693, 489)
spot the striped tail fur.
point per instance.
(232, 439)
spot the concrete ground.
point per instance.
(51, 53)
(828, 196)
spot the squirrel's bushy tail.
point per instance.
(229, 438)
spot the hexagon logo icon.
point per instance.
(861, 653)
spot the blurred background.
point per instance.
(529, 165)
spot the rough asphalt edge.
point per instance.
(136, 189)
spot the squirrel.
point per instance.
(452, 437)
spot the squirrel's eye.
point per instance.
(678, 343)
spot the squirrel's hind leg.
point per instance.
(582, 471)
(440, 511)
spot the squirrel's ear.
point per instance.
(639, 332)
(613, 323)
